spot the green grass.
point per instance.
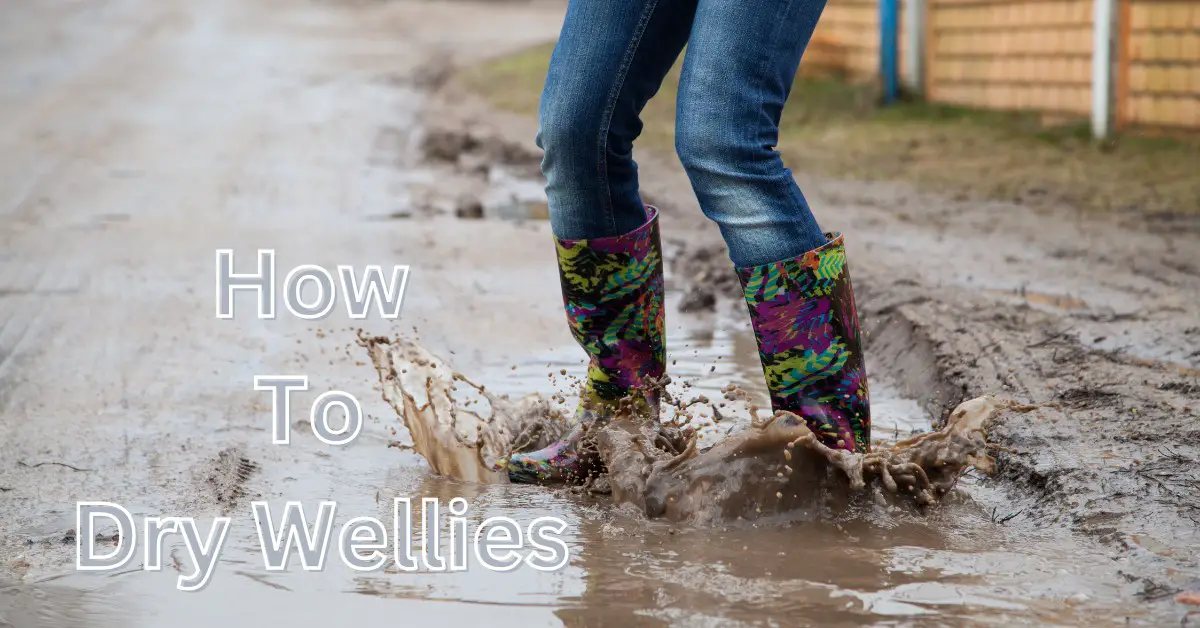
(836, 129)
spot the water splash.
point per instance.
(774, 466)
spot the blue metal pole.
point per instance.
(889, 52)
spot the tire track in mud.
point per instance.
(26, 291)
(226, 476)
(1080, 462)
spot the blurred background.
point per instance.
(1017, 100)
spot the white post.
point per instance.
(914, 53)
(1101, 66)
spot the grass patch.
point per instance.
(836, 129)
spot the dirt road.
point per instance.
(140, 136)
(1093, 317)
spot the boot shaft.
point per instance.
(613, 296)
(806, 325)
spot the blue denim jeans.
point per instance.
(741, 60)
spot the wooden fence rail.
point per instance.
(1031, 55)
(1158, 80)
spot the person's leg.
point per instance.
(737, 75)
(610, 59)
(740, 66)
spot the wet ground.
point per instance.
(963, 564)
(141, 136)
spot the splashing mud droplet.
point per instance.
(457, 442)
(775, 465)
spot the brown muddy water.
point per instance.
(969, 561)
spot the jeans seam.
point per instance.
(763, 73)
(606, 119)
(766, 58)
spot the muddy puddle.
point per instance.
(970, 561)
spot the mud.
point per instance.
(778, 467)
(461, 436)
(227, 477)
(773, 467)
(1094, 318)
(152, 133)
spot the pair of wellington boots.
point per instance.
(804, 320)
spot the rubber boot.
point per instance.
(613, 294)
(808, 340)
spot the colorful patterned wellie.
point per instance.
(807, 329)
(613, 295)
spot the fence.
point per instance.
(847, 44)
(1158, 82)
(1028, 54)
(1034, 55)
